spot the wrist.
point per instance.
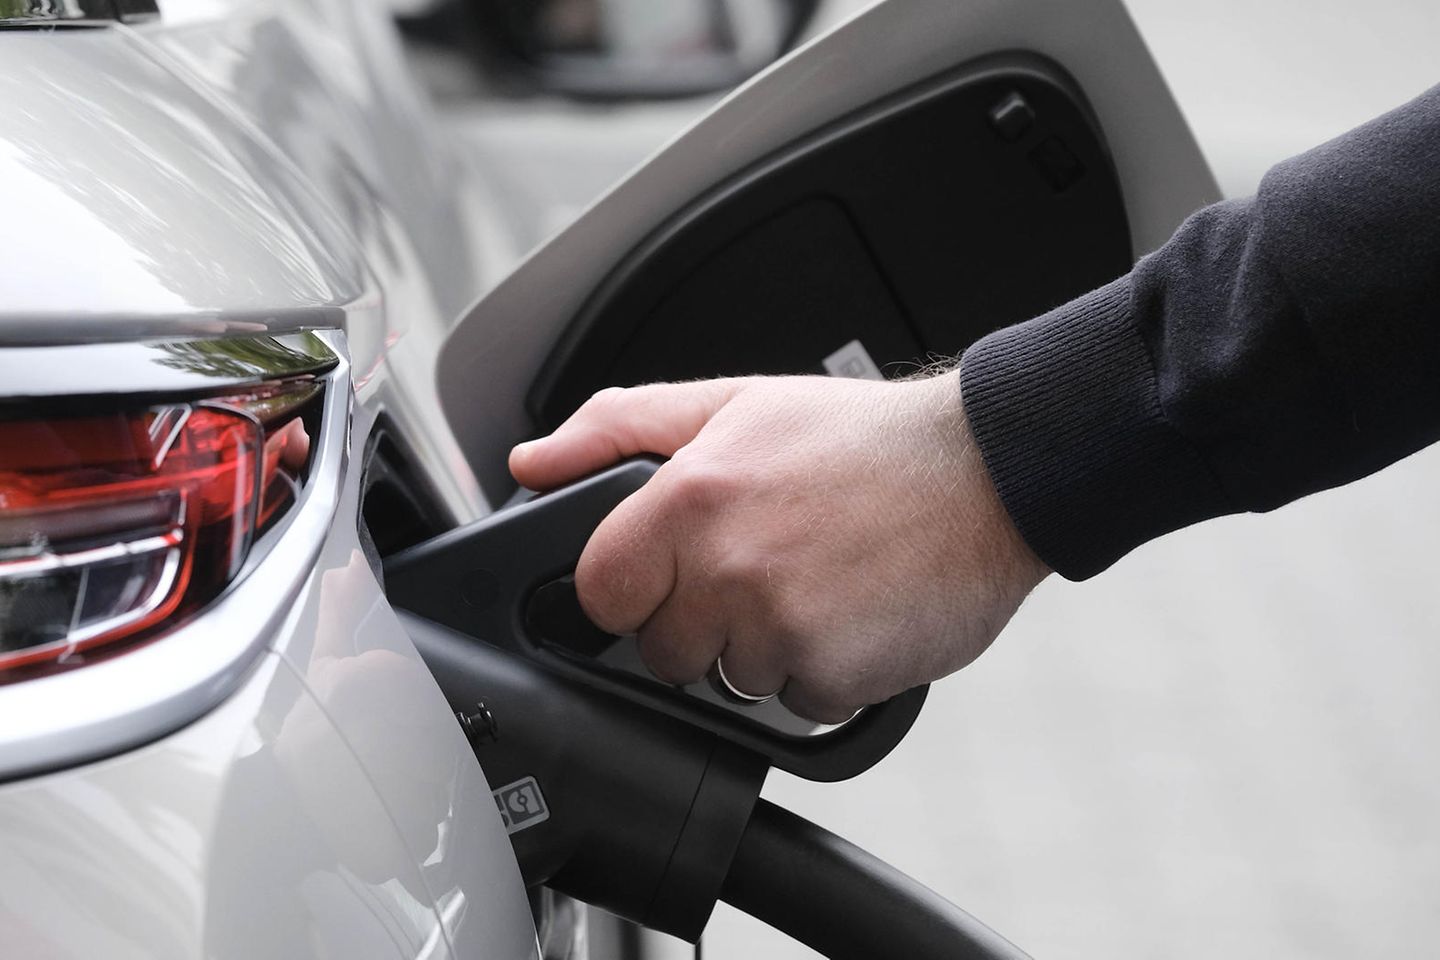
(984, 521)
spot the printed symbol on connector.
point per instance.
(521, 805)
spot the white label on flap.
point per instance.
(852, 360)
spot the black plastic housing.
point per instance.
(645, 811)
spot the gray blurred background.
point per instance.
(1224, 746)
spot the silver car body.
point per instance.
(281, 776)
(247, 168)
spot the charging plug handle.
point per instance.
(491, 579)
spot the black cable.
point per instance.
(844, 903)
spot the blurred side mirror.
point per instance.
(628, 49)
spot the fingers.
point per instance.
(683, 638)
(806, 701)
(753, 666)
(632, 578)
(629, 581)
(627, 570)
(617, 423)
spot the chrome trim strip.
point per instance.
(163, 585)
(143, 694)
(50, 562)
(99, 372)
(158, 593)
(27, 13)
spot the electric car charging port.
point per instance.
(633, 796)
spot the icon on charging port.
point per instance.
(521, 805)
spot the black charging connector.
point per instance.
(635, 812)
(625, 793)
(504, 581)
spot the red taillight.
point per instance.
(111, 524)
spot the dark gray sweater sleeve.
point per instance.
(1275, 346)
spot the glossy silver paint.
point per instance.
(509, 332)
(135, 207)
(362, 669)
(254, 833)
(328, 806)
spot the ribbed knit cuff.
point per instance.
(1066, 412)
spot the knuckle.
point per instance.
(740, 567)
(602, 400)
(695, 486)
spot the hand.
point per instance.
(837, 538)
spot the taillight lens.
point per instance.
(113, 524)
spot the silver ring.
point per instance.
(726, 689)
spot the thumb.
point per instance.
(616, 423)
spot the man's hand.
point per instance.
(837, 538)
